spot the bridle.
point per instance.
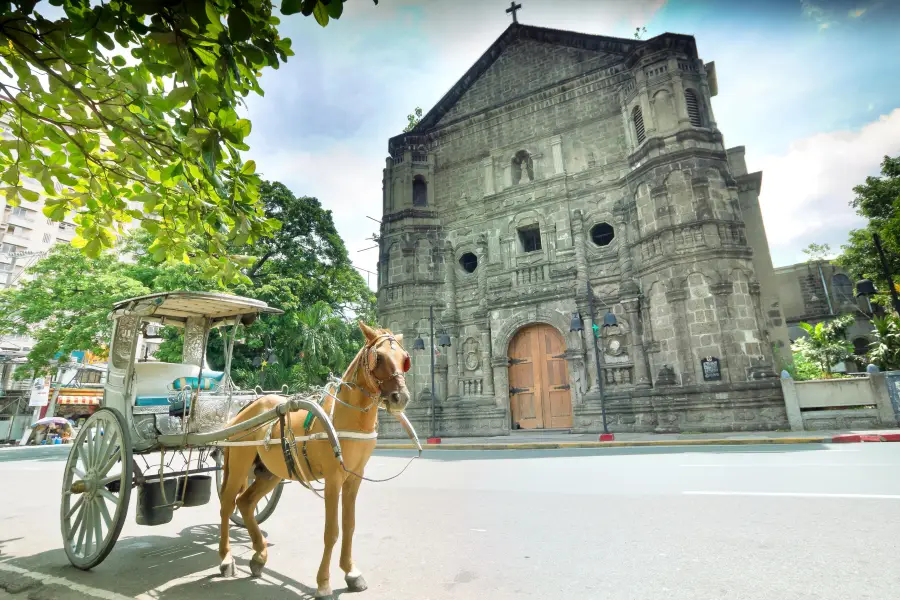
(370, 356)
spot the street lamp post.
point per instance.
(609, 320)
(419, 344)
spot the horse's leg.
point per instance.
(332, 530)
(352, 575)
(235, 468)
(246, 503)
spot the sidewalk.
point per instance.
(535, 440)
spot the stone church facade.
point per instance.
(563, 162)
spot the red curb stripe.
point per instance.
(890, 437)
(849, 438)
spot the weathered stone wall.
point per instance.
(561, 155)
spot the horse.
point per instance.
(374, 379)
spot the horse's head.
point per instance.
(386, 362)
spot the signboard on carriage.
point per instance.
(711, 369)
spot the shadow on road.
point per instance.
(166, 568)
(458, 455)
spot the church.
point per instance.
(593, 255)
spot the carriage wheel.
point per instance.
(264, 508)
(96, 488)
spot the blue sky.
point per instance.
(811, 88)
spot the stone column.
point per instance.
(626, 268)
(440, 377)
(761, 364)
(488, 377)
(721, 294)
(482, 252)
(678, 90)
(588, 334)
(487, 166)
(706, 106)
(449, 283)
(644, 98)
(453, 367)
(581, 267)
(676, 299)
(638, 355)
(556, 152)
(500, 369)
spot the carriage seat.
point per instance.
(152, 381)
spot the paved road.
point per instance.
(799, 522)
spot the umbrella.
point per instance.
(53, 421)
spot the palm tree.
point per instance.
(885, 350)
(313, 338)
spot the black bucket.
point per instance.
(198, 492)
(150, 509)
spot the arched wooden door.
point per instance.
(539, 395)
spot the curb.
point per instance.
(636, 443)
(837, 439)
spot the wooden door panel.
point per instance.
(538, 378)
(525, 398)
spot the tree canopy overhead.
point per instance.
(304, 270)
(128, 110)
(878, 200)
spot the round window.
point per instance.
(602, 234)
(469, 262)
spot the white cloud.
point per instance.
(346, 181)
(806, 191)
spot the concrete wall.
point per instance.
(833, 404)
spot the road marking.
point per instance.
(790, 465)
(75, 587)
(798, 495)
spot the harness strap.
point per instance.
(344, 435)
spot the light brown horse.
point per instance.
(375, 378)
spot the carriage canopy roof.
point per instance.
(178, 306)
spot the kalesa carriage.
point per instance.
(168, 429)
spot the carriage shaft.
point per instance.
(291, 405)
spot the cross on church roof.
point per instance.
(513, 7)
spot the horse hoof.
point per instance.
(256, 568)
(324, 594)
(227, 569)
(356, 584)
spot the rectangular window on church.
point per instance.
(530, 238)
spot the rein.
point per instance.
(288, 441)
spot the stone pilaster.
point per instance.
(730, 352)
(761, 364)
(487, 167)
(486, 361)
(676, 299)
(580, 258)
(481, 250)
(588, 335)
(556, 152)
(680, 101)
(450, 314)
(626, 267)
(637, 352)
(453, 368)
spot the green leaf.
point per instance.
(29, 195)
(179, 96)
(291, 7)
(320, 12)
(118, 61)
(79, 242)
(249, 168)
(335, 8)
(239, 25)
(93, 248)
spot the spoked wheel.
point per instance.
(96, 488)
(264, 508)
